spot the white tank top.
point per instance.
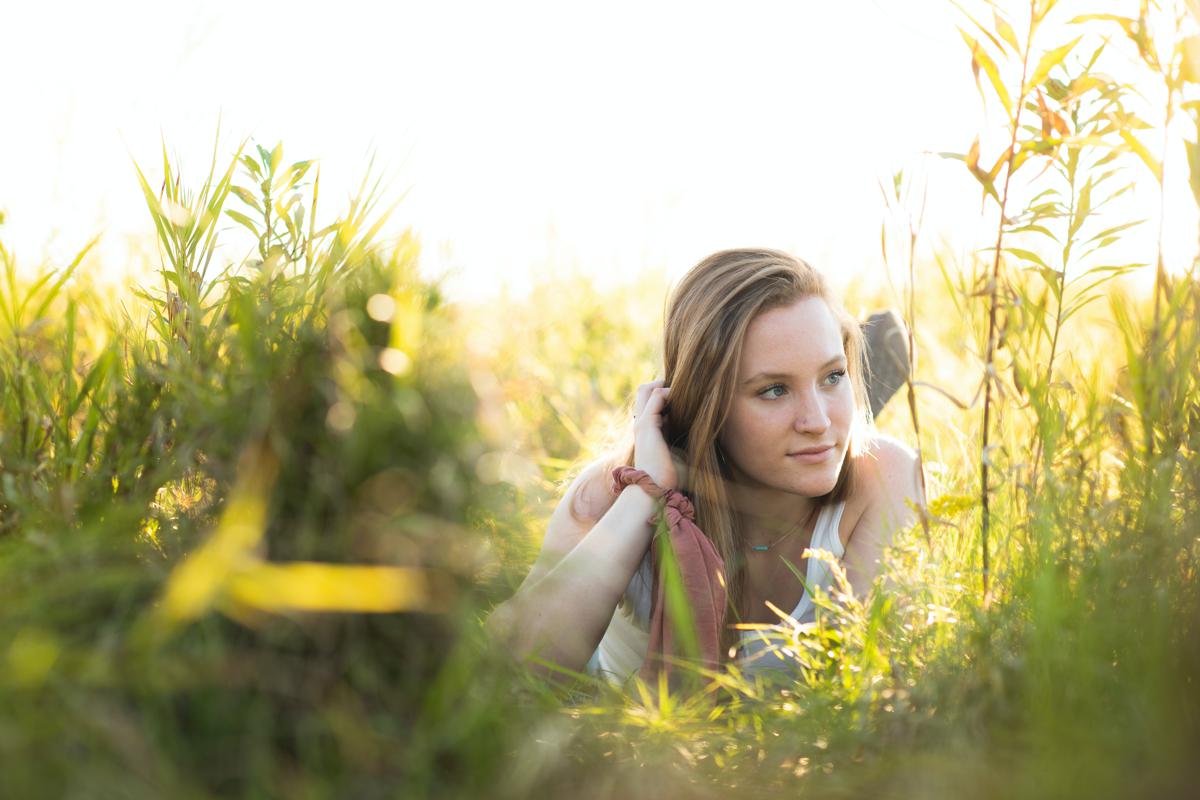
(623, 647)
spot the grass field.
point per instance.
(252, 514)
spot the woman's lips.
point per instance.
(812, 455)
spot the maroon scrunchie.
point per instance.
(699, 565)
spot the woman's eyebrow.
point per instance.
(839, 358)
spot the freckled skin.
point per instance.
(806, 401)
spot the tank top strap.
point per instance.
(825, 532)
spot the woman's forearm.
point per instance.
(562, 617)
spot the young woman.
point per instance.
(761, 422)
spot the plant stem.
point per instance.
(994, 302)
(910, 323)
(1058, 318)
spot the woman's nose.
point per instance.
(810, 415)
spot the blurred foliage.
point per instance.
(279, 444)
(250, 522)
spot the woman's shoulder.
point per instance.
(882, 454)
(885, 479)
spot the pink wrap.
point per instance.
(699, 565)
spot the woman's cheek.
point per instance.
(845, 407)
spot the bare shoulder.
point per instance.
(887, 459)
(885, 482)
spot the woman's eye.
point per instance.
(773, 392)
(835, 377)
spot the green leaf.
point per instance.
(979, 26)
(251, 166)
(1005, 30)
(93, 380)
(1193, 156)
(1083, 207)
(678, 606)
(1052, 210)
(1035, 229)
(1103, 243)
(1053, 279)
(1115, 229)
(1144, 154)
(157, 214)
(1043, 7)
(242, 219)
(1050, 60)
(1051, 192)
(67, 273)
(981, 60)
(247, 197)
(1106, 273)
(289, 224)
(296, 172)
(1028, 255)
(1117, 18)
(1056, 89)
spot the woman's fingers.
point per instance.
(650, 448)
(643, 394)
(653, 407)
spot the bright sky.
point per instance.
(531, 137)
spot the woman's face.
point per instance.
(793, 405)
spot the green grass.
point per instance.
(251, 517)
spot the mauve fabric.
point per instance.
(699, 565)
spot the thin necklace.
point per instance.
(762, 548)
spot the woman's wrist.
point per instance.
(663, 499)
(640, 492)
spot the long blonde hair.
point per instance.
(707, 317)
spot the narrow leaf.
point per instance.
(1193, 156)
(1050, 60)
(251, 166)
(243, 220)
(247, 197)
(1144, 154)
(1115, 229)
(981, 60)
(1005, 30)
(1028, 255)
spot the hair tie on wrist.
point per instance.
(676, 505)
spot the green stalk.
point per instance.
(994, 302)
(1058, 315)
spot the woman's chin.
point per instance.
(809, 482)
(816, 485)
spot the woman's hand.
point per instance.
(650, 451)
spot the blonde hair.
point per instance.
(707, 317)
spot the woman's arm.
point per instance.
(565, 604)
(889, 482)
(563, 607)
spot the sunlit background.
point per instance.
(526, 138)
(249, 534)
